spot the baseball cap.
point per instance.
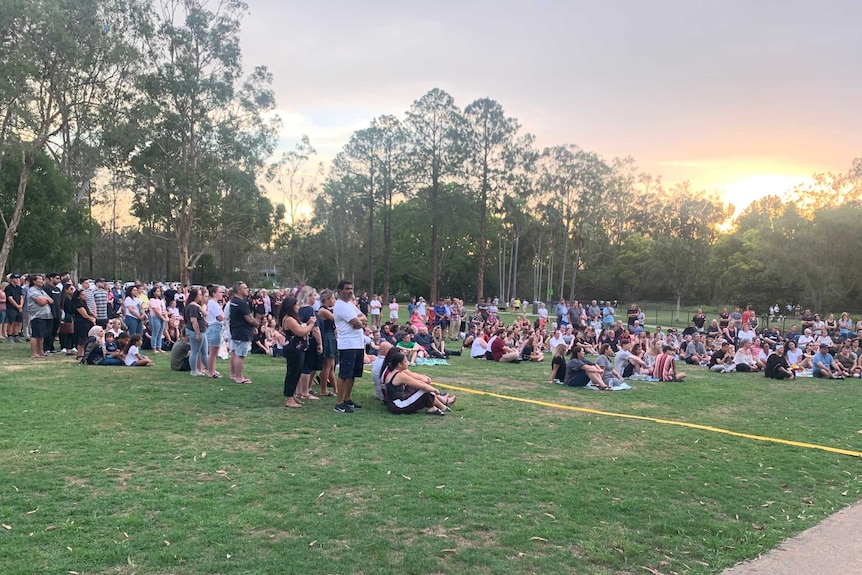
(15, 276)
(822, 345)
(101, 280)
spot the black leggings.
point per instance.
(295, 360)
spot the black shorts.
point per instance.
(12, 315)
(41, 328)
(350, 363)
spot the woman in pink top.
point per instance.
(393, 310)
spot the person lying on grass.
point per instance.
(406, 393)
(580, 371)
(665, 366)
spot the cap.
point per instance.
(15, 276)
(822, 345)
(101, 280)
(779, 347)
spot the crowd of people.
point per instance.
(328, 337)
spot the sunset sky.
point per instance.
(745, 97)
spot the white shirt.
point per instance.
(555, 341)
(376, 373)
(375, 306)
(743, 335)
(132, 356)
(349, 337)
(213, 311)
(423, 309)
(478, 348)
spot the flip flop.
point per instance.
(243, 381)
(298, 406)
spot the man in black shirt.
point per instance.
(363, 303)
(52, 286)
(14, 308)
(242, 328)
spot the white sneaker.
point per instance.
(198, 373)
(63, 350)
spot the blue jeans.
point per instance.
(199, 348)
(134, 324)
(157, 331)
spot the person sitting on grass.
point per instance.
(581, 372)
(114, 348)
(94, 349)
(133, 354)
(180, 354)
(532, 351)
(743, 359)
(558, 363)
(500, 351)
(605, 360)
(408, 394)
(823, 363)
(665, 366)
(695, 352)
(722, 360)
(845, 362)
(409, 347)
(777, 366)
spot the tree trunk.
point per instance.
(563, 267)
(371, 244)
(387, 246)
(483, 230)
(12, 226)
(575, 273)
(514, 292)
(435, 190)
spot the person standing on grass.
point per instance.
(326, 324)
(242, 326)
(349, 324)
(41, 318)
(55, 292)
(295, 345)
(100, 302)
(14, 308)
(215, 319)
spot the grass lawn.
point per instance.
(122, 471)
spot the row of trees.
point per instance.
(153, 93)
(438, 201)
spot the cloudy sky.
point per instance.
(743, 96)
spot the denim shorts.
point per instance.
(3, 316)
(241, 348)
(214, 335)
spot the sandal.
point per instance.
(296, 405)
(216, 375)
(309, 396)
(437, 411)
(242, 381)
(327, 394)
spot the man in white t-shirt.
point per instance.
(621, 358)
(349, 324)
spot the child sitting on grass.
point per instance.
(133, 354)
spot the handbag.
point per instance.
(66, 328)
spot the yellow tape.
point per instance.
(656, 420)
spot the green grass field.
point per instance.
(121, 471)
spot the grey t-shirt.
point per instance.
(621, 359)
(35, 310)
